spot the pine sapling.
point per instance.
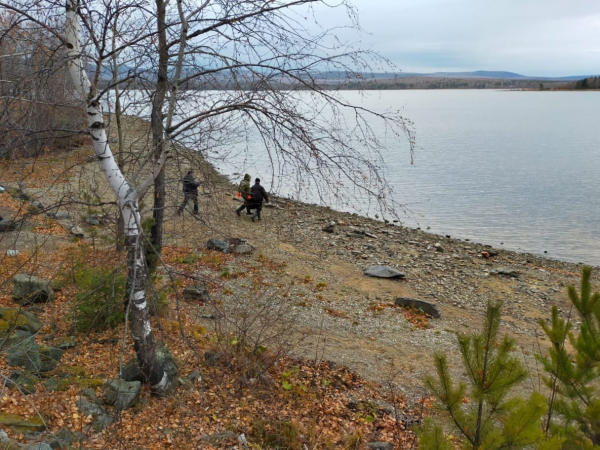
(481, 410)
(574, 369)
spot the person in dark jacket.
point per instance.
(258, 195)
(190, 192)
(246, 195)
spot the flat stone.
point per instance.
(383, 272)
(196, 292)
(331, 227)
(426, 307)
(380, 446)
(22, 424)
(506, 271)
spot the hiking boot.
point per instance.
(237, 212)
(195, 213)
(253, 217)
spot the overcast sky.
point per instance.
(531, 37)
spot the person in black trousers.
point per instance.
(258, 195)
(190, 192)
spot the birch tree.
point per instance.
(128, 197)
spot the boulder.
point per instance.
(426, 307)
(7, 225)
(122, 394)
(16, 319)
(242, 249)
(383, 272)
(22, 351)
(196, 292)
(50, 357)
(12, 252)
(215, 244)
(23, 381)
(38, 446)
(131, 371)
(31, 289)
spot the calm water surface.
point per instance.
(517, 170)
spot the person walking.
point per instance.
(258, 195)
(190, 192)
(246, 195)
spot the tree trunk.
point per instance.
(157, 125)
(143, 338)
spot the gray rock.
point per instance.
(12, 252)
(22, 351)
(50, 357)
(217, 438)
(31, 289)
(426, 307)
(383, 272)
(102, 422)
(78, 232)
(243, 249)
(24, 381)
(18, 319)
(505, 271)
(88, 408)
(7, 225)
(167, 361)
(194, 376)
(380, 446)
(195, 292)
(215, 244)
(64, 437)
(92, 220)
(66, 343)
(90, 394)
(37, 204)
(122, 394)
(38, 446)
(51, 384)
(330, 227)
(59, 215)
(131, 371)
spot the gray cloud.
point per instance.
(533, 37)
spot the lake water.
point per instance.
(513, 169)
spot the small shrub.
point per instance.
(100, 302)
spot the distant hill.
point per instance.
(498, 75)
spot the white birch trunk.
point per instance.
(144, 342)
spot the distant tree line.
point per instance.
(588, 83)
